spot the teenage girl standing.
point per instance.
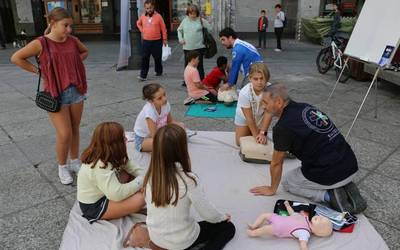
(61, 58)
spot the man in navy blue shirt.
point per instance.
(243, 55)
(328, 164)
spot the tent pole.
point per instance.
(337, 81)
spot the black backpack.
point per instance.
(209, 42)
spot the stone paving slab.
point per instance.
(23, 188)
(39, 227)
(382, 195)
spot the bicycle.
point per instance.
(332, 56)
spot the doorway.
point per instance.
(164, 8)
(7, 21)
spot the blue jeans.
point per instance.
(71, 96)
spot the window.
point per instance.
(91, 11)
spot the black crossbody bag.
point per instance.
(44, 100)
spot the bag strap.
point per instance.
(203, 30)
(40, 75)
(51, 66)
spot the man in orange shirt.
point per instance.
(154, 35)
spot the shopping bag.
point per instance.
(166, 52)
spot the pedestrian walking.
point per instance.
(154, 35)
(190, 35)
(61, 66)
(279, 24)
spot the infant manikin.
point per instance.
(295, 225)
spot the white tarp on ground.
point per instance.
(227, 181)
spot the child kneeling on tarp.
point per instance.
(196, 89)
(217, 75)
(251, 118)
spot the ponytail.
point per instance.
(57, 14)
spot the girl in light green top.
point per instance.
(190, 35)
(102, 194)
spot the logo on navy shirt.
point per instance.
(319, 122)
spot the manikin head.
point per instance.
(321, 226)
(227, 37)
(275, 99)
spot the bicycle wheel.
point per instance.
(345, 75)
(324, 60)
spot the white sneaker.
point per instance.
(188, 100)
(65, 175)
(277, 50)
(74, 165)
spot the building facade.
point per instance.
(102, 17)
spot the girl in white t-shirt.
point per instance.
(172, 190)
(156, 113)
(251, 118)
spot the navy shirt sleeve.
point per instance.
(283, 138)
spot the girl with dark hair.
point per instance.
(61, 58)
(170, 191)
(101, 194)
(156, 113)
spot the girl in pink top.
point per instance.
(62, 69)
(295, 225)
(196, 89)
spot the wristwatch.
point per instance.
(264, 132)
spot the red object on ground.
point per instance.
(348, 229)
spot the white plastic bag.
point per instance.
(166, 52)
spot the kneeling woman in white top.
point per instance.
(156, 113)
(251, 118)
(170, 191)
(101, 195)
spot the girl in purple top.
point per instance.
(61, 58)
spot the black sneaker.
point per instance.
(339, 200)
(356, 200)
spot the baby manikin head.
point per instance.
(321, 226)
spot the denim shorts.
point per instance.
(71, 96)
(138, 142)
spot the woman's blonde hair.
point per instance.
(261, 68)
(57, 14)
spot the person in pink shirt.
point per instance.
(154, 35)
(196, 89)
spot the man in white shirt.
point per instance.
(279, 24)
